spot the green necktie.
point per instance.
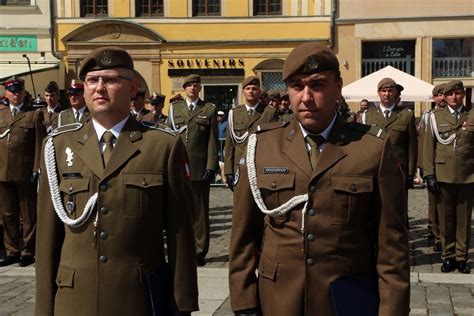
(250, 112)
(314, 141)
(108, 139)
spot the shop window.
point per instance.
(267, 7)
(94, 8)
(453, 58)
(15, 2)
(398, 54)
(206, 7)
(149, 8)
(273, 80)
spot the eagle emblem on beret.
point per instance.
(311, 64)
(105, 58)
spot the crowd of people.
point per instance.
(88, 190)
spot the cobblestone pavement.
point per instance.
(432, 293)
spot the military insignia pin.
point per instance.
(311, 64)
(105, 58)
(69, 156)
(242, 161)
(70, 207)
(236, 177)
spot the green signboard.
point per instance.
(19, 43)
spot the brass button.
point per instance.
(70, 188)
(144, 182)
(353, 188)
(103, 259)
(274, 185)
(104, 210)
(309, 262)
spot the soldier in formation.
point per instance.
(78, 112)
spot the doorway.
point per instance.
(223, 96)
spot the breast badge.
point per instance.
(69, 156)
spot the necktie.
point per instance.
(108, 139)
(386, 113)
(457, 115)
(250, 111)
(78, 116)
(14, 111)
(314, 141)
(191, 108)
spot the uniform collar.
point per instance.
(325, 133)
(18, 107)
(384, 108)
(254, 108)
(100, 130)
(81, 110)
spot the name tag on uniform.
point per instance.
(202, 116)
(71, 175)
(274, 170)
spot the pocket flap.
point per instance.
(440, 160)
(444, 129)
(203, 121)
(352, 184)
(72, 186)
(26, 125)
(399, 128)
(275, 182)
(65, 277)
(267, 268)
(240, 126)
(143, 180)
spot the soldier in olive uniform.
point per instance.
(448, 155)
(138, 105)
(309, 216)
(274, 97)
(399, 124)
(242, 119)
(21, 134)
(53, 108)
(196, 123)
(433, 200)
(284, 111)
(78, 112)
(108, 189)
(157, 101)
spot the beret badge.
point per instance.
(311, 64)
(105, 59)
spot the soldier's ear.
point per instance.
(134, 87)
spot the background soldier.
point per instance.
(196, 122)
(363, 106)
(242, 119)
(399, 124)
(448, 153)
(274, 98)
(108, 188)
(157, 101)
(53, 108)
(78, 112)
(21, 134)
(316, 214)
(138, 105)
(284, 111)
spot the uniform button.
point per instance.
(103, 187)
(309, 262)
(312, 212)
(104, 235)
(311, 237)
(103, 259)
(70, 188)
(312, 189)
(104, 210)
(274, 184)
(353, 188)
(144, 182)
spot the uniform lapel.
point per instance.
(394, 116)
(181, 109)
(89, 150)
(294, 145)
(199, 108)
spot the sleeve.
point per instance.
(429, 145)
(213, 142)
(40, 131)
(245, 241)
(179, 230)
(413, 146)
(49, 239)
(392, 237)
(229, 152)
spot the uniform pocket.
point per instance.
(65, 277)
(75, 195)
(349, 193)
(276, 190)
(267, 268)
(141, 190)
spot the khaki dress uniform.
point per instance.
(198, 130)
(67, 117)
(241, 125)
(51, 117)
(297, 257)
(140, 115)
(20, 151)
(155, 118)
(452, 163)
(101, 267)
(401, 128)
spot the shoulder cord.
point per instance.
(257, 196)
(235, 138)
(50, 161)
(434, 131)
(173, 126)
(59, 118)
(5, 133)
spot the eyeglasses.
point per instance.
(92, 81)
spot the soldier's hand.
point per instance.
(248, 312)
(208, 175)
(34, 177)
(410, 182)
(230, 181)
(432, 185)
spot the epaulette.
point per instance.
(65, 128)
(269, 126)
(210, 103)
(158, 126)
(368, 129)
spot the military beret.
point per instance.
(39, 102)
(309, 58)
(399, 87)
(157, 98)
(284, 95)
(14, 84)
(453, 85)
(52, 87)
(191, 79)
(75, 87)
(387, 83)
(107, 57)
(140, 92)
(176, 98)
(252, 80)
(438, 89)
(273, 94)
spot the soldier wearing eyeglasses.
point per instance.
(78, 112)
(108, 190)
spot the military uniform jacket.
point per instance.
(200, 136)
(51, 119)
(401, 128)
(453, 162)
(67, 117)
(348, 201)
(20, 143)
(140, 193)
(141, 114)
(155, 118)
(234, 151)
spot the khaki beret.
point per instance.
(284, 95)
(438, 89)
(273, 94)
(157, 98)
(107, 57)
(252, 80)
(14, 84)
(387, 83)
(191, 79)
(453, 85)
(309, 58)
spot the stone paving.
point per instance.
(432, 293)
